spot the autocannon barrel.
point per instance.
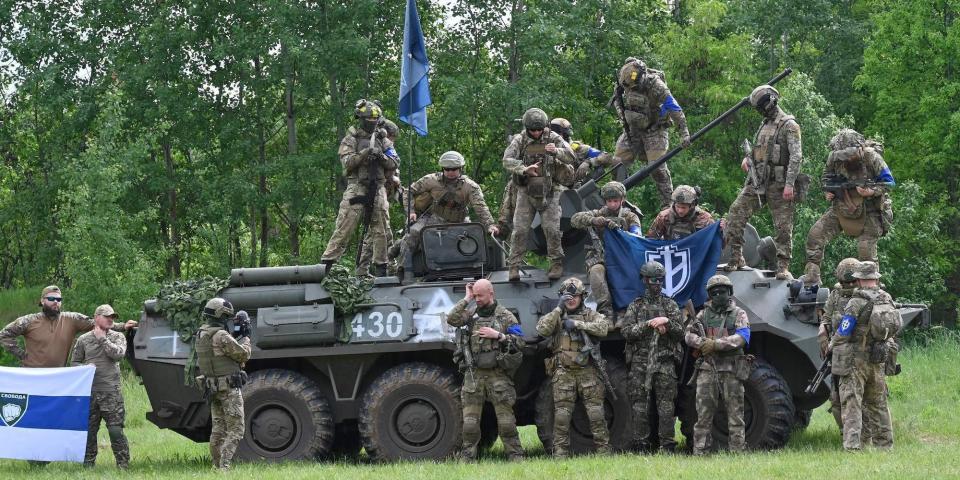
(241, 277)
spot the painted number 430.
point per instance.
(375, 325)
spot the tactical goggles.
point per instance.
(54, 299)
(445, 169)
(653, 280)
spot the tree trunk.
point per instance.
(293, 210)
(264, 214)
(173, 241)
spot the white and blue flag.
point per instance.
(44, 412)
(414, 70)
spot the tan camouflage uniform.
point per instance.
(777, 157)
(223, 358)
(507, 206)
(356, 168)
(47, 340)
(653, 366)
(594, 253)
(450, 202)
(830, 321)
(535, 194)
(488, 381)
(863, 389)
(670, 226)
(643, 94)
(717, 373)
(106, 399)
(571, 375)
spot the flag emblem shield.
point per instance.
(13, 406)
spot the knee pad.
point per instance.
(116, 432)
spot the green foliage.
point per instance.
(181, 302)
(346, 289)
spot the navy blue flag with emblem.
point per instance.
(414, 66)
(689, 263)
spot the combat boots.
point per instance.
(736, 261)
(514, 275)
(783, 269)
(380, 269)
(556, 270)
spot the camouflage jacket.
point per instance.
(501, 320)
(833, 309)
(670, 226)
(451, 199)
(356, 166)
(727, 328)
(47, 340)
(645, 346)
(857, 311)
(777, 153)
(643, 96)
(569, 345)
(105, 354)
(860, 163)
(224, 345)
(518, 154)
(584, 220)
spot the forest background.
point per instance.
(142, 142)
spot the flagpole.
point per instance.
(406, 221)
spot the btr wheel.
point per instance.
(287, 418)
(412, 411)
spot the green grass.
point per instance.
(924, 398)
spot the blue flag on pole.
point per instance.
(414, 83)
(689, 262)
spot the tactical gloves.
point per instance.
(569, 325)
(709, 346)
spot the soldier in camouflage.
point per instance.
(840, 295)
(776, 158)
(393, 193)
(614, 215)
(587, 157)
(862, 212)
(653, 329)
(489, 354)
(646, 108)
(362, 155)
(220, 358)
(682, 218)
(571, 370)
(445, 197)
(104, 348)
(719, 334)
(532, 157)
(858, 362)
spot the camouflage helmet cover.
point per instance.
(452, 159)
(867, 271)
(218, 308)
(846, 268)
(534, 119)
(561, 126)
(613, 190)
(719, 281)
(846, 138)
(653, 269)
(761, 92)
(573, 286)
(366, 109)
(685, 194)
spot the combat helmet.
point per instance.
(218, 309)
(846, 268)
(613, 190)
(452, 159)
(762, 95)
(561, 126)
(719, 281)
(367, 110)
(653, 272)
(867, 271)
(573, 286)
(685, 194)
(846, 138)
(534, 119)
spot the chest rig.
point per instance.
(450, 199)
(536, 151)
(718, 325)
(770, 153)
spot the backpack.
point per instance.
(885, 320)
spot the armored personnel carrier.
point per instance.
(393, 388)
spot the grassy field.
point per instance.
(925, 401)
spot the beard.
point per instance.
(52, 312)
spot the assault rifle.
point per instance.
(820, 375)
(593, 349)
(368, 200)
(241, 325)
(752, 169)
(837, 183)
(616, 101)
(463, 341)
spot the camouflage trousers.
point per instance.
(653, 145)
(601, 292)
(108, 407)
(226, 411)
(711, 388)
(828, 226)
(663, 387)
(507, 206)
(863, 401)
(350, 215)
(567, 383)
(747, 204)
(496, 387)
(835, 403)
(526, 208)
(366, 255)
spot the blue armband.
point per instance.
(745, 333)
(593, 152)
(671, 105)
(514, 330)
(847, 323)
(635, 229)
(886, 177)
(390, 152)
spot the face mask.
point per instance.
(653, 287)
(368, 126)
(719, 297)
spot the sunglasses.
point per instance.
(54, 299)
(451, 169)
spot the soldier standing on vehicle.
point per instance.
(646, 109)
(393, 193)
(220, 358)
(860, 348)
(367, 168)
(720, 333)
(104, 348)
(445, 197)
(840, 295)
(776, 158)
(613, 215)
(488, 354)
(861, 211)
(587, 157)
(682, 218)
(571, 370)
(532, 157)
(653, 330)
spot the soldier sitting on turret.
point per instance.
(682, 218)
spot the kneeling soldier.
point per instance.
(488, 354)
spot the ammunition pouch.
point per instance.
(510, 361)
(572, 359)
(742, 367)
(549, 365)
(539, 187)
(878, 352)
(801, 186)
(486, 359)
(223, 383)
(638, 121)
(842, 363)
